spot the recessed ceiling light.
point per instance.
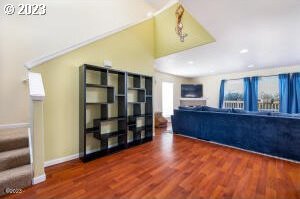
(150, 14)
(212, 71)
(244, 51)
(251, 66)
(191, 62)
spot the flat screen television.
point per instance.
(191, 91)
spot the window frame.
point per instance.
(238, 103)
(274, 104)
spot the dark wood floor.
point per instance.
(172, 167)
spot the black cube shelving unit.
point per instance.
(101, 132)
(142, 86)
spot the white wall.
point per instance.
(211, 84)
(160, 4)
(176, 80)
(67, 22)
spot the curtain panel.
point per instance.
(295, 93)
(221, 95)
(284, 87)
(247, 94)
(254, 93)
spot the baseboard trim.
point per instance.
(14, 126)
(39, 179)
(60, 160)
(68, 158)
(271, 156)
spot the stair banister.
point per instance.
(37, 95)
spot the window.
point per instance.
(234, 94)
(167, 99)
(268, 93)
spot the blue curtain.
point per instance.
(221, 95)
(247, 94)
(284, 86)
(254, 93)
(295, 93)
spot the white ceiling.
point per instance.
(158, 4)
(269, 29)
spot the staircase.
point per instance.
(15, 164)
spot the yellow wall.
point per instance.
(24, 39)
(131, 50)
(167, 41)
(38, 138)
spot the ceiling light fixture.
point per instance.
(191, 62)
(251, 66)
(244, 51)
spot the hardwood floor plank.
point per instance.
(171, 166)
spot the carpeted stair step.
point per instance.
(11, 139)
(16, 178)
(14, 158)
